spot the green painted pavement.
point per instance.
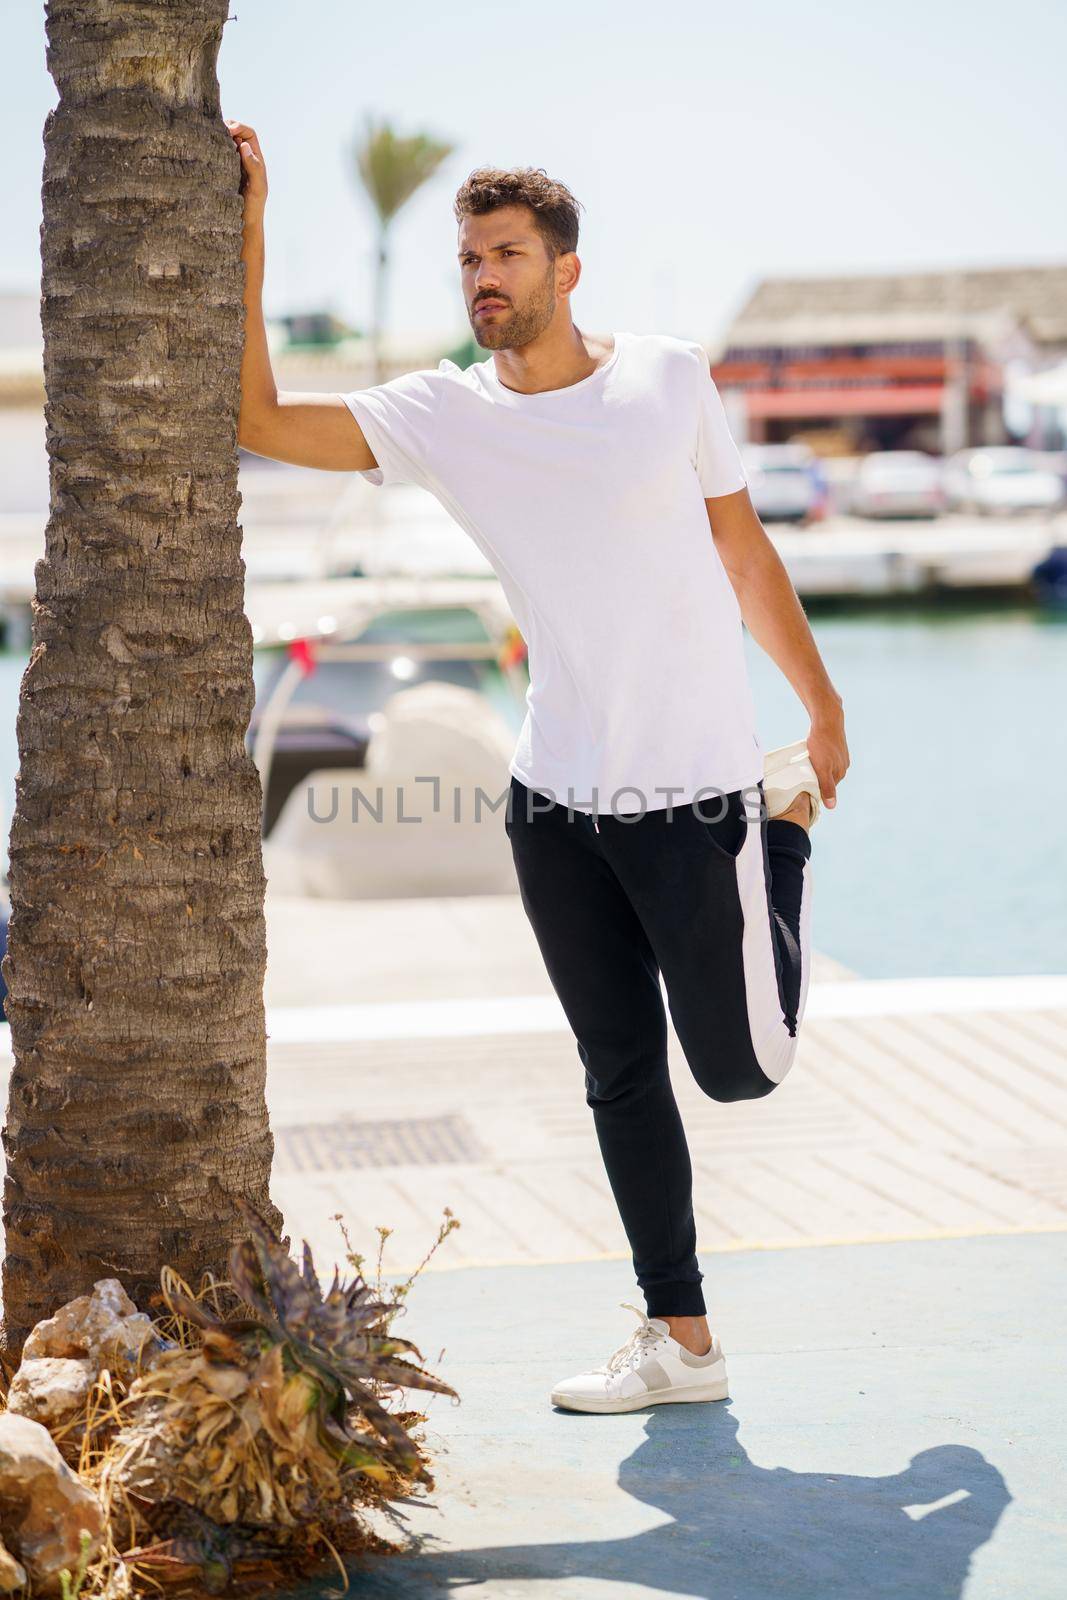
(895, 1432)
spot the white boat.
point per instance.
(384, 737)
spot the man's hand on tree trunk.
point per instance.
(253, 169)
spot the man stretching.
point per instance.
(597, 474)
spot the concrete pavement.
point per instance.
(896, 1417)
(895, 1432)
(883, 1241)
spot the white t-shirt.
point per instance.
(588, 502)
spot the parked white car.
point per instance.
(1002, 480)
(782, 482)
(899, 483)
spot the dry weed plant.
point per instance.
(262, 1432)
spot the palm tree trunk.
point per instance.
(137, 946)
(381, 290)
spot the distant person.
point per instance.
(649, 832)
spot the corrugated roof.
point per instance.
(912, 304)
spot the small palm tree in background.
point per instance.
(391, 169)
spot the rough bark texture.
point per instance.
(137, 943)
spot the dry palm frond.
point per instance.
(250, 1451)
(264, 1415)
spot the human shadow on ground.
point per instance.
(739, 1531)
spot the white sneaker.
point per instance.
(787, 773)
(648, 1370)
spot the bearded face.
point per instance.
(510, 277)
(500, 324)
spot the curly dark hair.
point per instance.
(554, 207)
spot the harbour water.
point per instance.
(943, 855)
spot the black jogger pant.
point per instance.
(716, 898)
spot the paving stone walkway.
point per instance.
(908, 1126)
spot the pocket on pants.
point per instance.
(722, 821)
(512, 800)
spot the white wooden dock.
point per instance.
(418, 1059)
(295, 565)
(924, 1124)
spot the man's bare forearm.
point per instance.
(769, 603)
(307, 430)
(259, 392)
(775, 618)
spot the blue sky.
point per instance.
(710, 144)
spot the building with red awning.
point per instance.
(889, 361)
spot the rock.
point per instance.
(104, 1327)
(43, 1506)
(51, 1389)
(77, 1326)
(12, 1575)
